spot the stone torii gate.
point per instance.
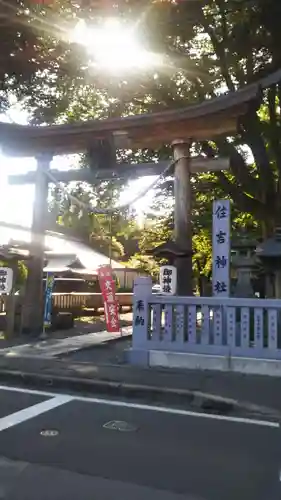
(101, 138)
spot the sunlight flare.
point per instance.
(114, 47)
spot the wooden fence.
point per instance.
(78, 303)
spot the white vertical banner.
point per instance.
(168, 280)
(221, 248)
(6, 280)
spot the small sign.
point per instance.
(6, 279)
(221, 248)
(107, 286)
(168, 280)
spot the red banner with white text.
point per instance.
(111, 309)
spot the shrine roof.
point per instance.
(199, 121)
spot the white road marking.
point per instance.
(177, 411)
(64, 398)
(28, 391)
(33, 411)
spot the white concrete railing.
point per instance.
(207, 325)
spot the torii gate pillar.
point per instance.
(32, 314)
(182, 216)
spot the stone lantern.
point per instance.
(269, 253)
(243, 261)
(171, 252)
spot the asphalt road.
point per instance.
(55, 447)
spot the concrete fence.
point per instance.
(208, 326)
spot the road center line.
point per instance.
(60, 399)
(33, 411)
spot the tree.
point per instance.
(29, 54)
(157, 229)
(145, 265)
(40, 66)
(231, 43)
(202, 260)
(102, 232)
(210, 46)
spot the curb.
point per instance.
(195, 399)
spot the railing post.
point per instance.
(142, 291)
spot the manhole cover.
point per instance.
(118, 425)
(49, 433)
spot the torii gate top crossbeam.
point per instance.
(199, 121)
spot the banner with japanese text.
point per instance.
(48, 300)
(221, 248)
(6, 280)
(108, 290)
(168, 280)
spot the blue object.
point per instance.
(48, 300)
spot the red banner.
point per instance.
(111, 310)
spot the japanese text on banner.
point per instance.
(168, 280)
(221, 248)
(6, 280)
(111, 310)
